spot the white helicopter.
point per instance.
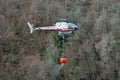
(62, 27)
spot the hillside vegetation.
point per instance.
(93, 51)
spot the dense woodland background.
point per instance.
(93, 52)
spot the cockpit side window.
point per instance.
(70, 25)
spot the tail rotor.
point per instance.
(31, 27)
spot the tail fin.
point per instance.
(31, 27)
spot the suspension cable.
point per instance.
(63, 43)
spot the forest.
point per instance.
(93, 51)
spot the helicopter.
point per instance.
(62, 27)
